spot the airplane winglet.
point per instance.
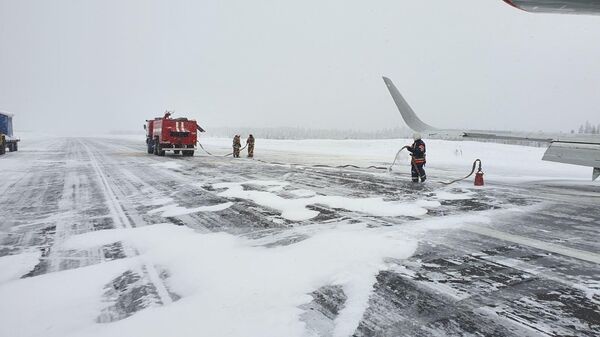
(409, 116)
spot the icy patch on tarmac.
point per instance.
(176, 210)
(160, 201)
(231, 287)
(169, 165)
(295, 209)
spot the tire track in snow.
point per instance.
(133, 179)
(75, 195)
(121, 220)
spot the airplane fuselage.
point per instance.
(590, 7)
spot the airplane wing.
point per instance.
(574, 150)
(591, 7)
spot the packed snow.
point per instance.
(14, 266)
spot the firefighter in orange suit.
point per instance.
(250, 144)
(237, 144)
(417, 150)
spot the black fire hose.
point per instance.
(226, 155)
(352, 166)
(242, 149)
(396, 157)
(470, 174)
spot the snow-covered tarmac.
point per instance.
(99, 238)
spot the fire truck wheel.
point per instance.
(150, 147)
(155, 146)
(176, 151)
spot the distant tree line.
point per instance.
(307, 133)
(588, 128)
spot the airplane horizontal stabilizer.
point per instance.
(576, 153)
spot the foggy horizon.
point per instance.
(97, 66)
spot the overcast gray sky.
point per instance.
(92, 66)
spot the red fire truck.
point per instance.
(171, 134)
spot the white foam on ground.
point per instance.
(295, 209)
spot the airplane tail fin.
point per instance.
(406, 111)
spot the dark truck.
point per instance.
(6, 134)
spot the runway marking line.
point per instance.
(525, 241)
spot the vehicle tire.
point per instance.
(176, 152)
(150, 146)
(187, 153)
(160, 151)
(10, 147)
(15, 146)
